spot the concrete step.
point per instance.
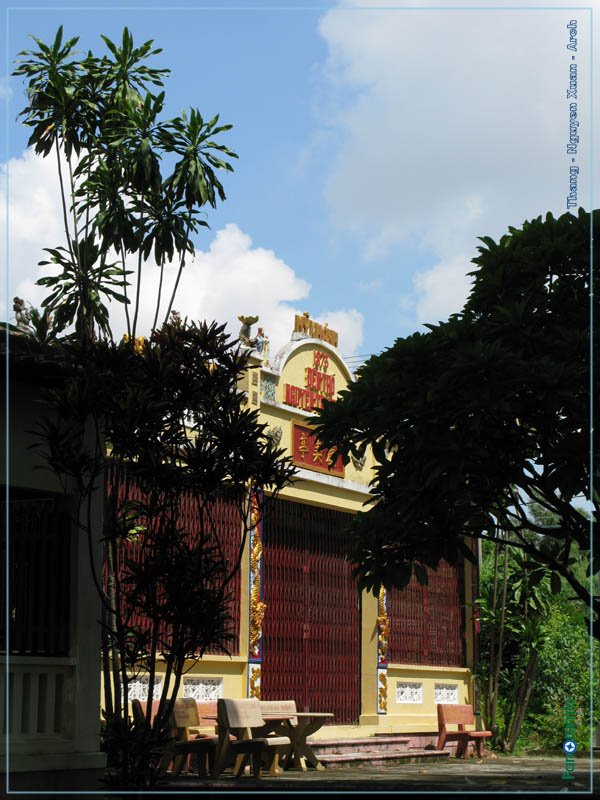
(368, 744)
(374, 750)
(414, 756)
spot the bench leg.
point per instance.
(274, 768)
(212, 757)
(206, 761)
(256, 763)
(165, 761)
(462, 747)
(221, 757)
(240, 763)
(178, 765)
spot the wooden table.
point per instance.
(306, 722)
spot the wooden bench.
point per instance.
(451, 714)
(191, 741)
(186, 722)
(238, 722)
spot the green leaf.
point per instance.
(555, 583)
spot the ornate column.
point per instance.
(383, 634)
(256, 606)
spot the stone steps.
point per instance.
(373, 758)
(368, 743)
(373, 750)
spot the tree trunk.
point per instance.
(522, 701)
(112, 625)
(489, 720)
(496, 675)
(108, 698)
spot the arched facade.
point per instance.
(379, 664)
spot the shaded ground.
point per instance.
(502, 774)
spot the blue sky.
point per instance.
(376, 141)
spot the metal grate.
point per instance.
(39, 538)
(311, 631)
(227, 522)
(426, 622)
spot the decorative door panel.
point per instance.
(311, 629)
(427, 622)
(227, 525)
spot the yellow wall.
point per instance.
(344, 494)
(349, 494)
(264, 388)
(416, 717)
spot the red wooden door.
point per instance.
(311, 629)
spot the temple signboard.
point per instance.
(303, 324)
(308, 452)
(318, 385)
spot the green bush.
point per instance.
(560, 636)
(563, 671)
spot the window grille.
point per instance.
(409, 692)
(445, 693)
(39, 580)
(203, 690)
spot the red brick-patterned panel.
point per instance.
(311, 630)
(227, 524)
(426, 622)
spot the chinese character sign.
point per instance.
(308, 452)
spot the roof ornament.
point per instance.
(23, 312)
(245, 330)
(260, 342)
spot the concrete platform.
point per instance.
(495, 774)
(374, 759)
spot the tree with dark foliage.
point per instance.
(482, 415)
(162, 415)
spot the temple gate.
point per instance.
(311, 633)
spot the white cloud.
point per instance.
(230, 277)
(453, 125)
(349, 324)
(6, 91)
(34, 222)
(442, 290)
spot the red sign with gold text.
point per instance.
(308, 452)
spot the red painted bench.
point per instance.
(451, 714)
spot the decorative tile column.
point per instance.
(383, 634)
(256, 606)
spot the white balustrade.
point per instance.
(203, 689)
(409, 692)
(41, 698)
(445, 693)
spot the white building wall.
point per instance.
(52, 704)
